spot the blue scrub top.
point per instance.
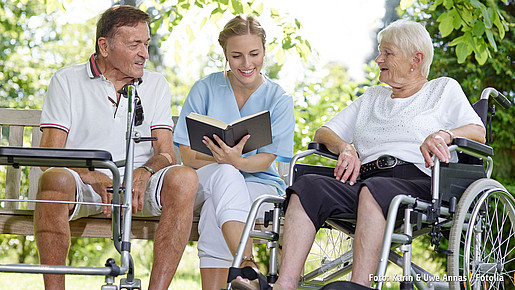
(213, 96)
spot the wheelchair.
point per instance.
(474, 212)
(121, 205)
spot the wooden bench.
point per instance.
(17, 217)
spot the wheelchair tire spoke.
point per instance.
(484, 252)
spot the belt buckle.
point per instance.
(380, 166)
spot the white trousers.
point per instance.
(222, 196)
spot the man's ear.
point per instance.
(103, 46)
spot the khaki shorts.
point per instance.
(85, 193)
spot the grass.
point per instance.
(187, 276)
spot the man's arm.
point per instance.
(348, 165)
(164, 156)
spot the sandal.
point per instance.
(255, 280)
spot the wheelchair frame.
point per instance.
(434, 212)
(121, 207)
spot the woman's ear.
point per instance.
(418, 57)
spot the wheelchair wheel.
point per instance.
(329, 260)
(482, 238)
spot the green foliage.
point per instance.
(480, 25)
(316, 102)
(497, 71)
(33, 47)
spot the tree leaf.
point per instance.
(448, 3)
(236, 7)
(457, 40)
(216, 15)
(499, 25)
(479, 28)
(467, 16)
(259, 9)
(462, 52)
(491, 39)
(435, 5)
(477, 4)
(482, 53)
(189, 32)
(445, 25)
(486, 18)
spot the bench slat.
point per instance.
(13, 175)
(19, 222)
(20, 117)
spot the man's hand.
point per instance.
(348, 165)
(99, 181)
(435, 144)
(139, 185)
(225, 154)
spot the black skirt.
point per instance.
(326, 197)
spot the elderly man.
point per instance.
(83, 109)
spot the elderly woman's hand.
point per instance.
(348, 165)
(436, 144)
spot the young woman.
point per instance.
(230, 181)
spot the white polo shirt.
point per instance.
(82, 102)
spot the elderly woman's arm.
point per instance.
(348, 165)
(436, 143)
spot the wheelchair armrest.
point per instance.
(26, 156)
(322, 150)
(474, 146)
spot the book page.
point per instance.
(208, 120)
(246, 118)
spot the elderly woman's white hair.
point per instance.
(409, 37)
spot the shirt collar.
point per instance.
(94, 72)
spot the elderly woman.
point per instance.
(409, 121)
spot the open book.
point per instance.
(257, 125)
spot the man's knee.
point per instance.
(180, 182)
(56, 183)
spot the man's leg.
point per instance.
(177, 198)
(296, 243)
(51, 227)
(368, 238)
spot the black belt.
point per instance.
(383, 162)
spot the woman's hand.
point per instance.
(224, 154)
(348, 165)
(436, 144)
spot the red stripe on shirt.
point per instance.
(54, 125)
(161, 126)
(94, 65)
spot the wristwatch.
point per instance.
(149, 169)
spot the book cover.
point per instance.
(257, 125)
